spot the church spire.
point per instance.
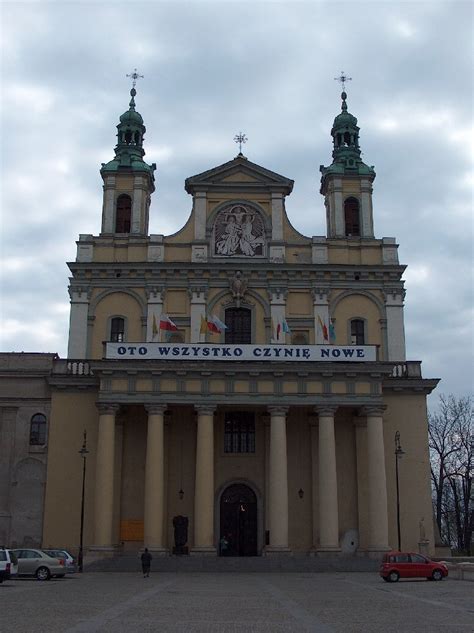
(131, 130)
(128, 180)
(347, 183)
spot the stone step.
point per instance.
(274, 563)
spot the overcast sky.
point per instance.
(263, 68)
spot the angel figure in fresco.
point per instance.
(248, 241)
(229, 241)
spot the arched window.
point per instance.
(351, 216)
(239, 325)
(357, 332)
(38, 430)
(124, 214)
(117, 330)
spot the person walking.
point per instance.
(146, 559)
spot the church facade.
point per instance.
(242, 386)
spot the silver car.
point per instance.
(35, 562)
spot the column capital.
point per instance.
(278, 410)
(155, 408)
(106, 408)
(374, 410)
(205, 409)
(326, 409)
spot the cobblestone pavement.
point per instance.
(234, 603)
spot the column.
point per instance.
(204, 483)
(314, 429)
(328, 508)
(377, 482)
(362, 479)
(104, 478)
(154, 480)
(278, 484)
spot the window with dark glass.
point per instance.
(299, 338)
(239, 432)
(357, 332)
(117, 330)
(239, 325)
(351, 216)
(176, 337)
(38, 430)
(124, 214)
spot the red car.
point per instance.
(397, 565)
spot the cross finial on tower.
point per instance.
(342, 79)
(134, 76)
(240, 138)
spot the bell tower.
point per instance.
(128, 180)
(347, 183)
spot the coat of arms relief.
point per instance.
(239, 232)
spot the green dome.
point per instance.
(129, 150)
(131, 117)
(345, 119)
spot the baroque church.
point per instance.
(242, 388)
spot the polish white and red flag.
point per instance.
(167, 324)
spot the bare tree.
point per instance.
(451, 438)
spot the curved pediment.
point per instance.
(239, 173)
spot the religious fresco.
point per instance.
(239, 232)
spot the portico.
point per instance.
(197, 421)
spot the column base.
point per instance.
(377, 552)
(203, 551)
(424, 547)
(157, 551)
(104, 550)
(275, 550)
(327, 551)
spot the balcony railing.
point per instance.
(406, 369)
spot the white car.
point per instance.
(71, 566)
(35, 562)
(8, 564)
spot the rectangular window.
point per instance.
(117, 330)
(239, 326)
(357, 332)
(239, 432)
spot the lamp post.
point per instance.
(398, 455)
(83, 453)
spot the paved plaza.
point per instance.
(233, 603)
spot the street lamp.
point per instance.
(83, 453)
(398, 455)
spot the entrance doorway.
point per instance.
(238, 521)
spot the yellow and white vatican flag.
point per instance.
(154, 329)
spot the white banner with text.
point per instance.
(202, 351)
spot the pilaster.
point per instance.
(104, 479)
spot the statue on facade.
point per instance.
(238, 287)
(180, 524)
